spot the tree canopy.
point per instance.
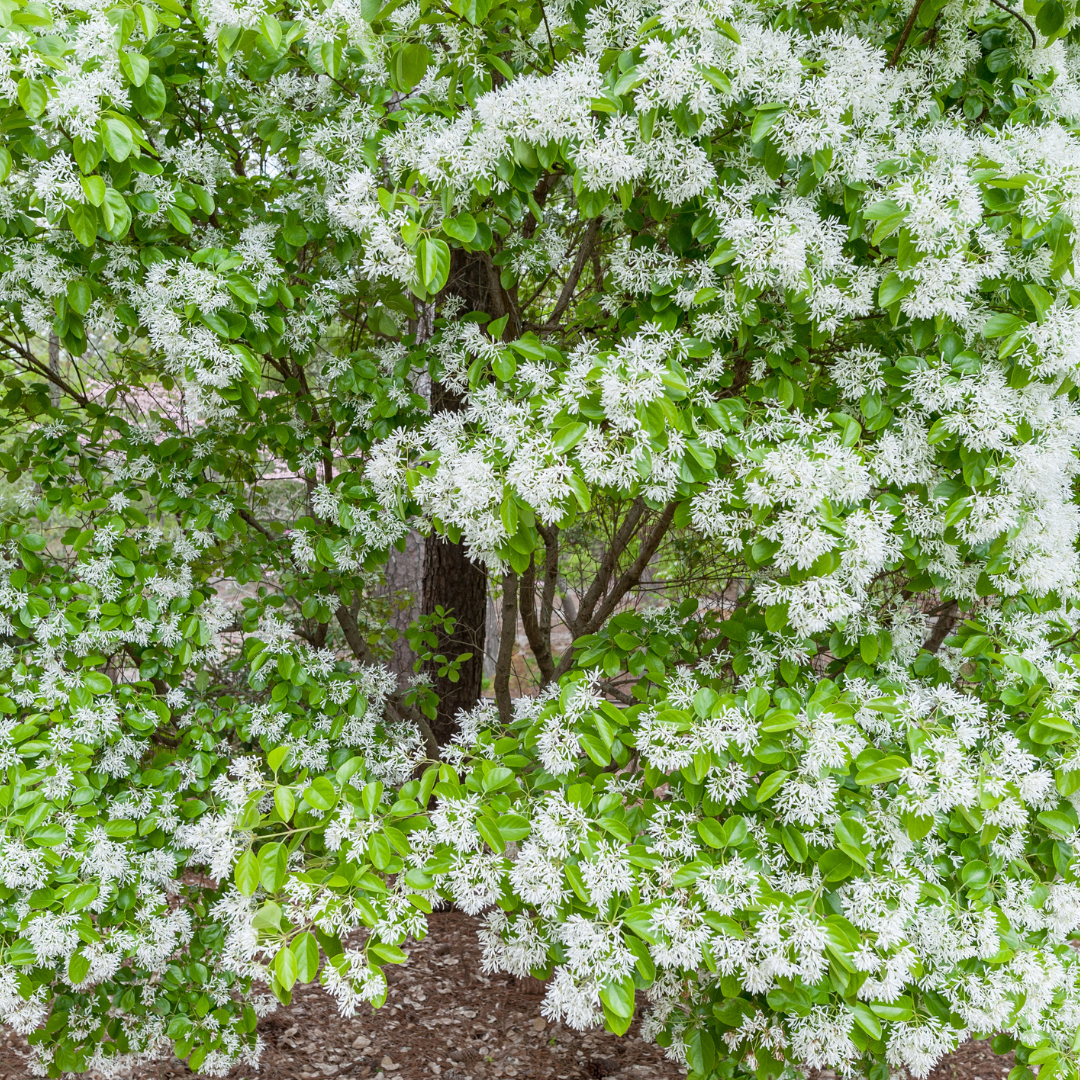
(735, 341)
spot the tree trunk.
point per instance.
(458, 585)
(451, 580)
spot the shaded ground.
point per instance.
(444, 1018)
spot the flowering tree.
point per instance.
(774, 301)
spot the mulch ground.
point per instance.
(444, 1018)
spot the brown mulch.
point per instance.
(444, 1018)
(974, 1061)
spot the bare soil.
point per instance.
(444, 1018)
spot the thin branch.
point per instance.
(1016, 15)
(905, 34)
(38, 368)
(551, 43)
(538, 641)
(254, 522)
(633, 575)
(589, 624)
(607, 566)
(567, 293)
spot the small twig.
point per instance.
(1016, 15)
(551, 43)
(905, 34)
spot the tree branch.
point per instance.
(567, 293)
(1016, 15)
(347, 621)
(607, 566)
(590, 624)
(905, 34)
(946, 620)
(38, 368)
(254, 522)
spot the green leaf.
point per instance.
(765, 120)
(569, 436)
(246, 873)
(975, 874)
(117, 137)
(462, 227)
(1058, 822)
(433, 263)
(180, 219)
(271, 30)
(78, 967)
(1051, 18)
(321, 794)
(596, 749)
(97, 682)
(1047, 730)
(893, 289)
(82, 895)
(410, 65)
(284, 802)
(284, 967)
(93, 188)
(848, 425)
(369, 9)
(273, 866)
(882, 771)
(276, 756)
(1002, 324)
(306, 951)
(33, 97)
(473, 10)
(619, 997)
(83, 222)
(794, 843)
(497, 778)
(771, 785)
(868, 648)
(21, 952)
(135, 66)
(50, 836)
(391, 954)
(711, 832)
(117, 214)
(268, 917)
(150, 98)
(504, 365)
(490, 833)
(867, 1020)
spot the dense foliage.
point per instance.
(760, 320)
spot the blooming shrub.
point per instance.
(793, 286)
